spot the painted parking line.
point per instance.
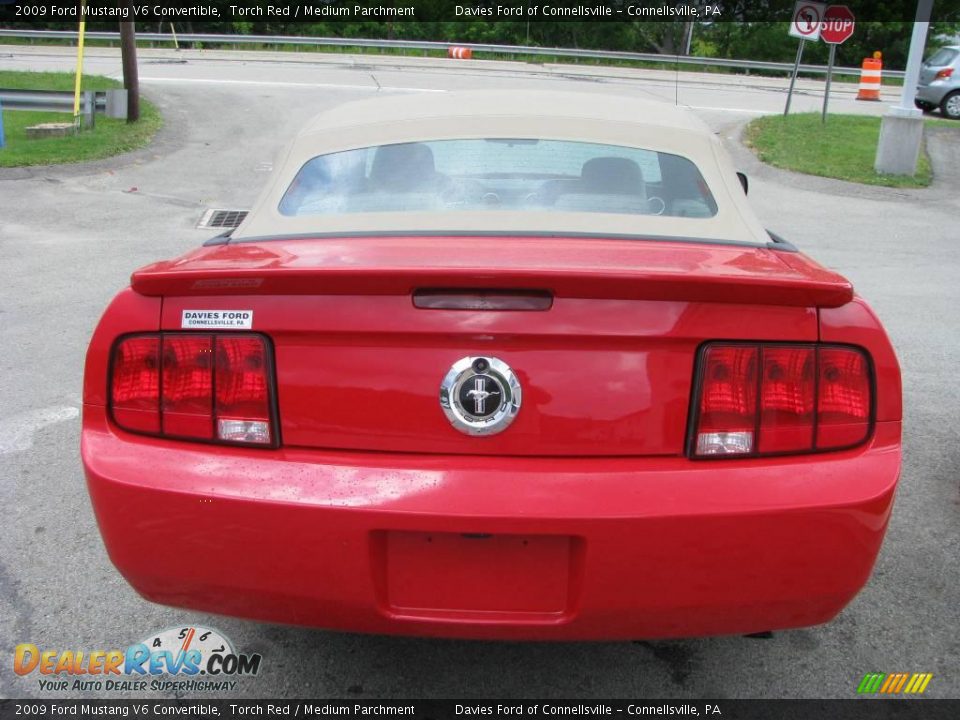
(16, 432)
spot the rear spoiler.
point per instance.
(565, 267)
(628, 285)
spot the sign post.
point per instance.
(76, 87)
(805, 25)
(837, 27)
(826, 92)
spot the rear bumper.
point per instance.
(933, 93)
(481, 547)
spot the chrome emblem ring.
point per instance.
(480, 395)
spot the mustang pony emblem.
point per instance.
(480, 395)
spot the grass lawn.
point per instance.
(109, 137)
(844, 148)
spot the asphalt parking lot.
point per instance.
(70, 236)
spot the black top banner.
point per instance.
(492, 709)
(36, 12)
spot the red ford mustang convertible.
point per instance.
(496, 365)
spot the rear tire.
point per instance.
(925, 106)
(950, 107)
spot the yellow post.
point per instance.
(76, 87)
(173, 30)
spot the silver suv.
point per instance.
(940, 82)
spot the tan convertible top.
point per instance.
(585, 117)
(472, 108)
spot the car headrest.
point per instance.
(407, 165)
(613, 175)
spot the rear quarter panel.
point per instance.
(855, 323)
(128, 312)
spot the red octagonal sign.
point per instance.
(837, 25)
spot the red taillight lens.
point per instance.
(787, 399)
(765, 398)
(192, 385)
(843, 398)
(944, 74)
(243, 390)
(728, 401)
(135, 384)
(188, 386)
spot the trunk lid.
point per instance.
(606, 368)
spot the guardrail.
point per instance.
(112, 103)
(216, 39)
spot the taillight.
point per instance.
(944, 74)
(728, 401)
(209, 387)
(843, 398)
(242, 406)
(135, 387)
(187, 380)
(787, 384)
(767, 399)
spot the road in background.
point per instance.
(69, 237)
(700, 90)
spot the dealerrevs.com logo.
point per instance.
(193, 659)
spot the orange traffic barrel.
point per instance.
(459, 53)
(870, 74)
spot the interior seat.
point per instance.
(405, 167)
(598, 176)
(611, 176)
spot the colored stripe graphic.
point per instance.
(871, 682)
(922, 680)
(894, 683)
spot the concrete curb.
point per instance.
(943, 186)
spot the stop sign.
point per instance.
(837, 25)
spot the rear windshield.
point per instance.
(498, 174)
(942, 57)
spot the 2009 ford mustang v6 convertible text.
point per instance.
(496, 365)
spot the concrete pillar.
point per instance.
(901, 134)
(901, 131)
(116, 103)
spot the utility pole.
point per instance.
(128, 50)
